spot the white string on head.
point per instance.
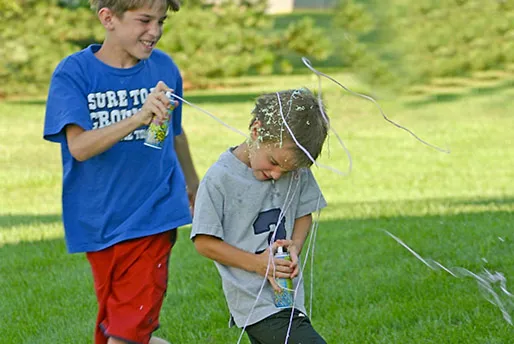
(320, 74)
(305, 151)
(485, 280)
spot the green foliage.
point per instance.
(7, 7)
(357, 21)
(208, 42)
(35, 38)
(403, 42)
(224, 41)
(232, 38)
(452, 38)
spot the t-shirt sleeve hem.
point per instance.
(207, 230)
(58, 134)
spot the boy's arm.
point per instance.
(226, 254)
(302, 226)
(85, 144)
(186, 162)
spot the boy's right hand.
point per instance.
(156, 105)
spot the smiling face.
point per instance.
(132, 36)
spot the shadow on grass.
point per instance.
(450, 97)
(8, 220)
(485, 201)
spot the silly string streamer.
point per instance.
(486, 280)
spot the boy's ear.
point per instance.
(254, 129)
(106, 17)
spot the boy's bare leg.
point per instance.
(153, 340)
(157, 340)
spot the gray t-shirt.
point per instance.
(237, 208)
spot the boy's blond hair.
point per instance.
(121, 6)
(302, 112)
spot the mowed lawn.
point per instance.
(454, 208)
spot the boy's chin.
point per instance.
(143, 56)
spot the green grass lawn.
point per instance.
(454, 208)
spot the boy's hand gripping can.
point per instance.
(156, 134)
(284, 297)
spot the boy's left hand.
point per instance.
(191, 194)
(293, 252)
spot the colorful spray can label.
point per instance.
(156, 133)
(284, 297)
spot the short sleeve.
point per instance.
(66, 102)
(311, 197)
(209, 206)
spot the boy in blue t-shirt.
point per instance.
(122, 200)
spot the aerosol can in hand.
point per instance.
(156, 133)
(284, 297)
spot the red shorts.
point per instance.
(130, 282)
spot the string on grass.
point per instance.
(486, 280)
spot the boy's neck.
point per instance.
(241, 152)
(114, 56)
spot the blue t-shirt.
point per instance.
(130, 190)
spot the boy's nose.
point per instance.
(155, 30)
(276, 175)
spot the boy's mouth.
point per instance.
(148, 44)
(266, 176)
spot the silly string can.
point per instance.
(284, 297)
(156, 133)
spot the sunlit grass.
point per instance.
(454, 208)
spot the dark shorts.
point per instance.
(273, 329)
(130, 283)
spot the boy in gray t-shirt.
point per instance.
(256, 197)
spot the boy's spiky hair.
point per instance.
(121, 6)
(302, 113)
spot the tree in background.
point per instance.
(35, 36)
(406, 43)
(233, 38)
(358, 42)
(207, 41)
(451, 38)
(403, 43)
